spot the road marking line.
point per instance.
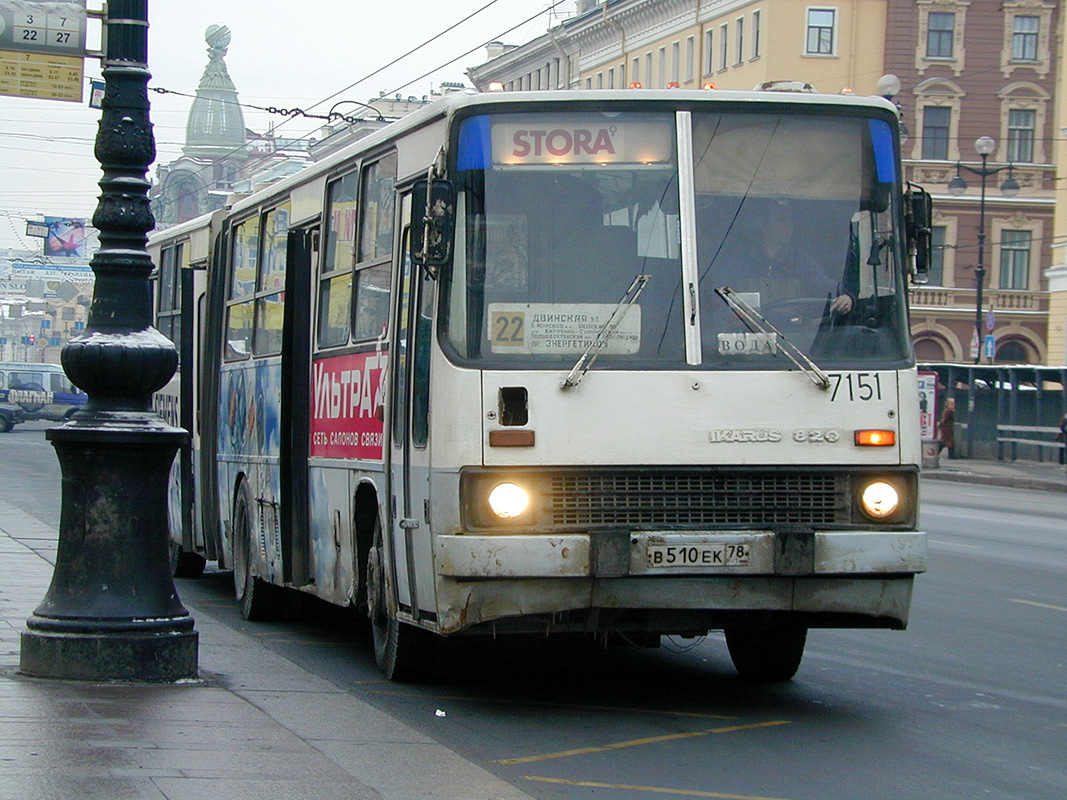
(513, 701)
(654, 789)
(1039, 605)
(581, 751)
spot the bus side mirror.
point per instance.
(919, 220)
(433, 222)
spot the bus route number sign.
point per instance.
(560, 328)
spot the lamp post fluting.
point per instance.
(111, 611)
(984, 146)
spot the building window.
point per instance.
(939, 35)
(821, 24)
(690, 56)
(662, 67)
(709, 51)
(756, 34)
(1015, 259)
(724, 45)
(936, 121)
(937, 255)
(1021, 135)
(1024, 38)
(676, 61)
(648, 70)
(600, 80)
(635, 71)
(739, 35)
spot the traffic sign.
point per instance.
(990, 320)
(990, 346)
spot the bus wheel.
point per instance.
(767, 654)
(400, 650)
(5, 424)
(254, 596)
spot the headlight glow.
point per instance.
(880, 500)
(508, 500)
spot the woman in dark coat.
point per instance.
(947, 427)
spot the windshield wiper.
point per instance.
(607, 330)
(757, 323)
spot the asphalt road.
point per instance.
(969, 702)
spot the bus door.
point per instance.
(295, 411)
(411, 546)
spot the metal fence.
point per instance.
(1004, 411)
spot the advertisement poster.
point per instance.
(928, 404)
(345, 418)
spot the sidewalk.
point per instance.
(1043, 476)
(256, 727)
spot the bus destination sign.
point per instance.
(592, 140)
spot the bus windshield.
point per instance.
(559, 214)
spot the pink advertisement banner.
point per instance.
(346, 406)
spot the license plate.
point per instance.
(732, 554)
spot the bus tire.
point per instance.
(400, 650)
(255, 597)
(766, 654)
(5, 424)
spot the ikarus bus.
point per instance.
(622, 364)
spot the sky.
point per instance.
(282, 54)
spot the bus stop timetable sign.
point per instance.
(42, 47)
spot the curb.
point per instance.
(1011, 481)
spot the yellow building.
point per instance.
(735, 44)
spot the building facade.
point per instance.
(970, 70)
(966, 70)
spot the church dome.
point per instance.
(216, 126)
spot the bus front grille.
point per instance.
(760, 498)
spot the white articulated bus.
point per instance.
(630, 363)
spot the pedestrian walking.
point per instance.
(947, 427)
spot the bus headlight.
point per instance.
(508, 500)
(879, 500)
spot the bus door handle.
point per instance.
(408, 524)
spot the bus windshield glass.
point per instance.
(560, 214)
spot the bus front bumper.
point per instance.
(613, 554)
(846, 578)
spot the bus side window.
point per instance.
(370, 312)
(270, 288)
(239, 313)
(335, 277)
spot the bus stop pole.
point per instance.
(111, 611)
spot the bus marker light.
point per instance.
(875, 438)
(880, 500)
(496, 86)
(636, 85)
(508, 500)
(519, 438)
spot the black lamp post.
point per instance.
(984, 146)
(111, 611)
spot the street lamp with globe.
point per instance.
(984, 146)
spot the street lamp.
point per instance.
(984, 146)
